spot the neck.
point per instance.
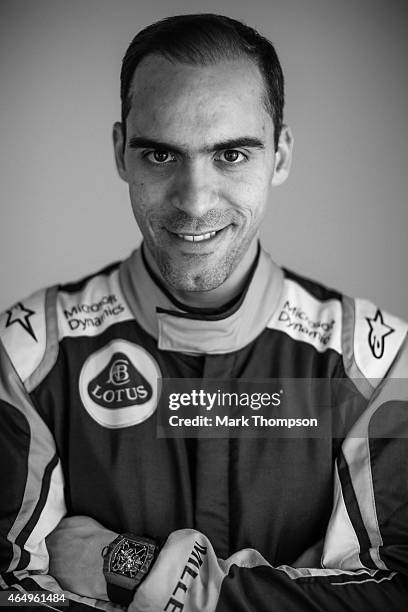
(232, 287)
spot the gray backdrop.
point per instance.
(341, 218)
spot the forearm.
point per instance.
(188, 576)
(74, 549)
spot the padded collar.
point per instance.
(175, 329)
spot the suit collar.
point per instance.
(175, 329)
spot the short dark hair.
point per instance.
(204, 39)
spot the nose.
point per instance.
(194, 189)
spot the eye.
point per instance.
(231, 156)
(160, 157)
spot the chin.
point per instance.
(194, 280)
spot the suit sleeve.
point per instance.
(362, 563)
(32, 501)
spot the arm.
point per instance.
(32, 503)
(362, 563)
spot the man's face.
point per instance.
(200, 162)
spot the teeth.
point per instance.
(197, 237)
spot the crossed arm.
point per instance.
(188, 576)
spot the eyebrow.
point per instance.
(139, 142)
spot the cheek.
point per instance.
(147, 205)
(139, 198)
(147, 192)
(138, 191)
(141, 195)
(252, 197)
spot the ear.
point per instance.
(283, 156)
(119, 149)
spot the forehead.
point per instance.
(190, 104)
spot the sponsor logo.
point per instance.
(83, 316)
(118, 385)
(296, 319)
(21, 315)
(377, 334)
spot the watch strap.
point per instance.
(119, 595)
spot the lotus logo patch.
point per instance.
(377, 334)
(119, 385)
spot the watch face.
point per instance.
(129, 558)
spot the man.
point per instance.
(95, 503)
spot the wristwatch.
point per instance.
(126, 561)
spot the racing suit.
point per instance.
(282, 523)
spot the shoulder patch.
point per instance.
(377, 338)
(23, 333)
(97, 306)
(303, 317)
